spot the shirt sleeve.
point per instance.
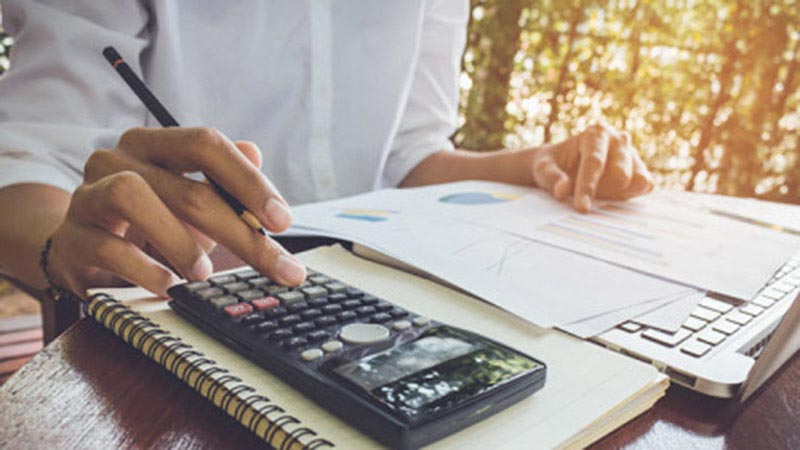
(61, 99)
(431, 112)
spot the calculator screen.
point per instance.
(435, 373)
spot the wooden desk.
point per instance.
(88, 389)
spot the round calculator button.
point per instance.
(401, 325)
(363, 333)
(421, 321)
(332, 346)
(311, 354)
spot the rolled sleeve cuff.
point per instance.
(401, 163)
(15, 171)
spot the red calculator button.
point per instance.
(265, 303)
(238, 309)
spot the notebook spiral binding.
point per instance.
(240, 401)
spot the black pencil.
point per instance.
(166, 120)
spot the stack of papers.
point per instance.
(516, 247)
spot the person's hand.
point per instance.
(597, 163)
(137, 218)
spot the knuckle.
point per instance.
(97, 164)
(130, 137)
(205, 136)
(196, 198)
(124, 186)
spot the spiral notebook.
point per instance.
(590, 391)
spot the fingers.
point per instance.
(641, 180)
(618, 173)
(124, 199)
(593, 150)
(549, 176)
(182, 150)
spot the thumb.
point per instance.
(250, 151)
(549, 176)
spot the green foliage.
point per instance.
(707, 88)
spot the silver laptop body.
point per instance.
(722, 344)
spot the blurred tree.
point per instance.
(707, 88)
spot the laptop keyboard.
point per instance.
(715, 320)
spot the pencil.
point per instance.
(166, 120)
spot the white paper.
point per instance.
(672, 315)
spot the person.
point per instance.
(329, 98)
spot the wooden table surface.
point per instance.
(88, 389)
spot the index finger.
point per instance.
(593, 150)
(183, 150)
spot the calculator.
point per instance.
(400, 377)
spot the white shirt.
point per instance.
(341, 96)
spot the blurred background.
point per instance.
(707, 88)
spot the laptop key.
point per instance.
(630, 327)
(706, 314)
(773, 294)
(752, 309)
(668, 339)
(696, 348)
(725, 327)
(711, 337)
(716, 305)
(763, 302)
(694, 324)
(739, 318)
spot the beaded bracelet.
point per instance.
(53, 290)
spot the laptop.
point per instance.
(726, 348)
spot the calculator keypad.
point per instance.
(319, 318)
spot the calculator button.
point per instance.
(221, 302)
(369, 300)
(222, 279)
(337, 298)
(260, 282)
(295, 342)
(247, 274)
(289, 320)
(238, 309)
(250, 294)
(276, 289)
(696, 348)
(363, 333)
(383, 306)
(354, 293)
(251, 319)
(401, 325)
(667, 339)
(196, 285)
(238, 286)
(397, 313)
(346, 316)
(325, 321)
(380, 318)
(305, 327)
(365, 310)
(280, 334)
(297, 306)
(274, 313)
(321, 301)
(336, 288)
(421, 321)
(313, 292)
(350, 304)
(331, 309)
(304, 284)
(711, 337)
(207, 293)
(291, 297)
(311, 354)
(265, 327)
(319, 279)
(317, 335)
(332, 346)
(265, 303)
(310, 313)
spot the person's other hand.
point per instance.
(136, 217)
(597, 163)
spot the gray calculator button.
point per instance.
(315, 292)
(332, 346)
(311, 354)
(291, 297)
(401, 325)
(221, 302)
(421, 321)
(363, 333)
(336, 288)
